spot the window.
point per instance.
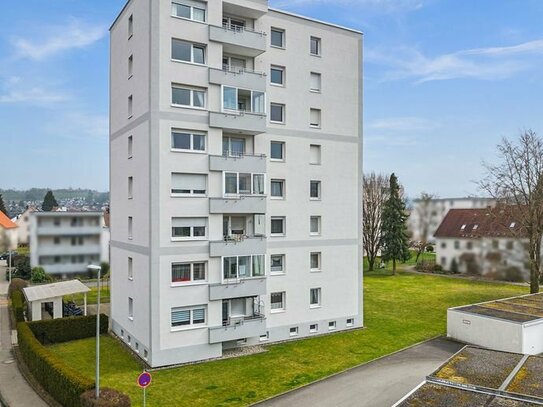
(509, 245)
(184, 140)
(145, 354)
(278, 226)
(315, 45)
(188, 272)
(315, 258)
(350, 322)
(315, 82)
(456, 244)
(277, 188)
(294, 331)
(243, 184)
(130, 26)
(314, 154)
(264, 337)
(191, 12)
(130, 146)
(130, 106)
(182, 317)
(277, 150)
(188, 184)
(331, 325)
(233, 146)
(462, 227)
(315, 225)
(313, 328)
(130, 268)
(277, 263)
(315, 118)
(130, 187)
(314, 190)
(495, 244)
(182, 96)
(277, 302)
(443, 245)
(130, 66)
(188, 52)
(277, 38)
(469, 245)
(512, 225)
(130, 308)
(243, 100)
(315, 297)
(189, 228)
(240, 267)
(234, 24)
(130, 227)
(277, 75)
(277, 113)
(57, 240)
(443, 261)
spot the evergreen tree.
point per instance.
(395, 240)
(3, 206)
(49, 202)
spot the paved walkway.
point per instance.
(14, 389)
(380, 383)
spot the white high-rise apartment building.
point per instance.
(236, 162)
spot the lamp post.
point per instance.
(98, 269)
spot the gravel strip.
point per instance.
(508, 316)
(529, 378)
(434, 395)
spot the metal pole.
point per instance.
(98, 337)
(144, 397)
(10, 266)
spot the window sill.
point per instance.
(130, 156)
(188, 107)
(277, 235)
(277, 85)
(315, 270)
(130, 36)
(315, 90)
(187, 328)
(315, 55)
(129, 117)
(188, 19)
(315, 164)
(180, 150)
(188, 196)
(180, 61)
(277, 311)
(315, 199)
(314, 234)
(313, 332)
(130, 278)
(332, 329)
(188, 284)
(277, 47)
(277, 273)
(277, 198)
(315, 306)
(130, 77)
(131, 318)
(188, 239)
(311, 126)
(277, 160)
(274, 122)
(130, 238)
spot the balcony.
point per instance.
(240, 288)
(239, 122)
(234, 329)
(62, 268)
(238, 40)
(68, 230)
(59, 250)
(246, 8)
(238, 163)
(238, 205)
(238, 77)
(243, 246)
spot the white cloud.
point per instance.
(387, 6)
(492, 63)
(73, 35)
(33, 96)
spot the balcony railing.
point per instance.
(239, 40)
(240, 121)
(242, 320)
(240, 28)
(238, 328)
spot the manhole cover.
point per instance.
(8, 361)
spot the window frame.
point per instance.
(192, 193)
(283, 32)
(130, 308)
(318, 291)
(281, 69)
(283, 219)
(191, 228)
(313, 328)
(130, 187)
(251, 187)
(251, 268)
(283, 151)
(192, 90)
(276, 272)
(318, 41)
(283, 302)
(192, 7)
(191, 280)
(315, 125)
(293, 331)
(252, 98)
(192, 135)
(314, 90)
(130, 66)
(283, 112)
(192, 47)
(191, 324)
(283, 188)
(130, 268)
(319, 258)
(318, 218)
(319, 190)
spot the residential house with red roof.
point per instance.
(8, 232)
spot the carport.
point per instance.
(39, 295)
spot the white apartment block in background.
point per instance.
(236, 162)
(65, 243)
(435, 212)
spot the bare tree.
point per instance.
(517, 179)
(374, 197)
(424, 210)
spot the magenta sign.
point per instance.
(144, 379)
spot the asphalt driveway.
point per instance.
(380, 383)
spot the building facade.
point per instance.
(427, 216)
(65, 243)
(236, 162)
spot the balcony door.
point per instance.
(234, 226)
(234, 147)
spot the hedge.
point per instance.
(67, 329)
(17, 284)
(61, 381)
(108, 398)
(17, 303)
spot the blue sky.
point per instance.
(444, 81)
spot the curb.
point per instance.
(347, 370)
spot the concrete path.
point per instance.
(14, 389)
(380, 383)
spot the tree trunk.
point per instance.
(393, 267)
(419, 251)
(371, 263)
(534, 266)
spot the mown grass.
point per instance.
(400, 311)
(92, 296)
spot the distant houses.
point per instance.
(8, 233)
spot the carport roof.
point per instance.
(60, 289)
(521, 309)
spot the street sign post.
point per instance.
(144, 380)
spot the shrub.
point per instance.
(17, 284)
(40, 276)
(61, 381)
(430, 248)
(22, 266)
(438, 268)
(108, 398)
(67, 329)
(17, 303)
(513, 274)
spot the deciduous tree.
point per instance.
(374, 196)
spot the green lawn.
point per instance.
(399, 266)
(399, 311)
(92, 296)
